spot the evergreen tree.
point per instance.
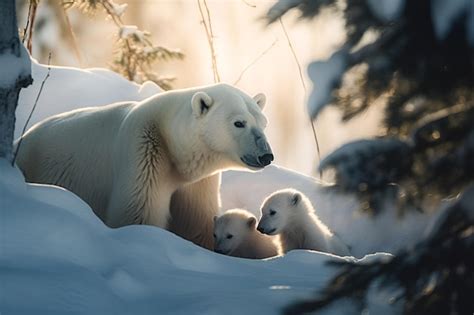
(420, 64)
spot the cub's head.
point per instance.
(231, 229)
(278, 210)
(232, 125)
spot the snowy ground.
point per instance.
(56, 257)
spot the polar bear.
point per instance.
(289, 214)
(235, 235)
(154, 162)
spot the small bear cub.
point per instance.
(289, 214)
(235, 235)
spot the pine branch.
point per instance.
(434, 277)
(135, 53)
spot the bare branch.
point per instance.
(33, 109)
(34, 8)
(255, 60)
(73, 38)
(25, 30)
(210, 37)
(249, 4)
(304, 88)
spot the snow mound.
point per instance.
(57, 257)
(72, 88)
(14, 67)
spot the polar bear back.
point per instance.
(71, 134)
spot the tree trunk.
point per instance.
(15, 74)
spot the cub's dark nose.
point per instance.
(261, 229)
(265, 159)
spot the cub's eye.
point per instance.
(214, 235)
(239, 124)
(229, 236)
(272, 212)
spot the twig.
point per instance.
(210, 38)
(29, 43)
(72, 35)
(304, 88)
(249, 4)
(32, 110)
(255, 61)
(27, 22)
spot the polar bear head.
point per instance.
(231, 230)
(231, 124)
(279, 210)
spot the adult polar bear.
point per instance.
(140, 163)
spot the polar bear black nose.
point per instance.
(265, 159)
(261, 229)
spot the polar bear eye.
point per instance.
(214, 235)
(239, 124)
(272, 212)
(229, 236)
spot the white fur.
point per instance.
(235, 235)
(289, 214)
(129, 161)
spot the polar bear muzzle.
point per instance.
(262, 155)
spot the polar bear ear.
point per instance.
(295, 199)
(251, 222)
(260, 99)
(201, 102)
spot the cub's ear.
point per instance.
(295, 199)
(251, 222)
(260, 99)
(201, 103)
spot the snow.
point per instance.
(118, 9)
(325, 75)
(14, 67)
(386, 10)
(59, 258)
(71, 88)
(131, 30)
(446, 13)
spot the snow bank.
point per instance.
(71, 88)
(14, 67)
(58, 258)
